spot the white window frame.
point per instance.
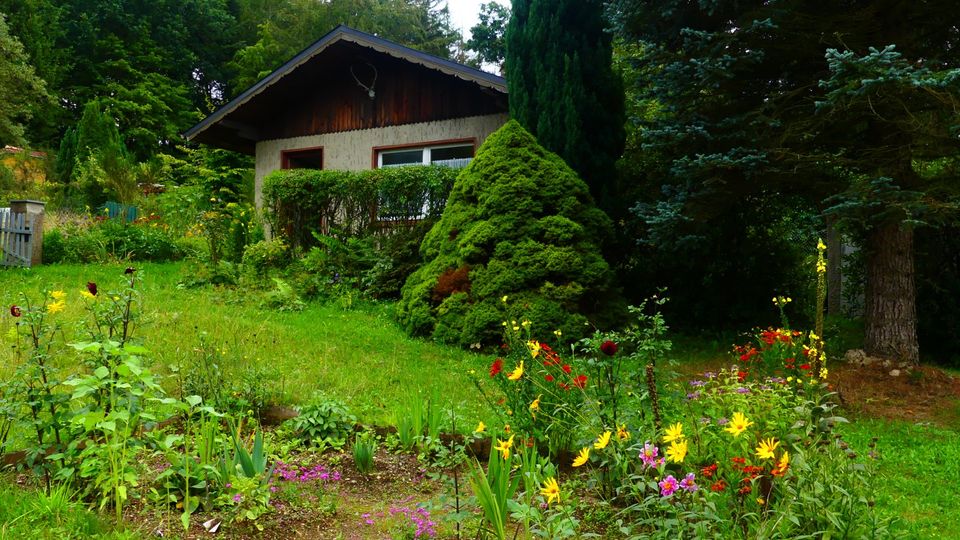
(425, 153)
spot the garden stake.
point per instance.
(652, 388)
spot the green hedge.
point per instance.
(302, 201)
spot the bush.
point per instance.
(266, 254)
(323, 421)
(525, 226)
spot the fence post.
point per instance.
(33, 209)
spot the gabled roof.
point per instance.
(344, 33)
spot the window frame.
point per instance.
(376, 160)
(286, 155)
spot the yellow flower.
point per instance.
(535, 406)
(789, 379)
(504, 299)
(738, 424)
(526, 323)
(622, 433)
(87, 295)
(504, 447)
(534, 347)
(766, 448)
(56, 307)
(823, 373)
(582, 457)
(677, 451)
(557, 333)
(58, 295)
(481, 427)
(602, 441)
(760, 501)
(782, 464)
(516, 373)
(550, 490)
(674, 432)
(820, 245)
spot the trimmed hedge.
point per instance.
(520, 223)
(356, 203)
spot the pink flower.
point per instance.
(649, 455)
(668, 486)
(688, 484)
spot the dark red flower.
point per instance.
(129, 270)
(608, 348)
(92, 288)
(804, 366)
(15, 310)
(744, 490)
(720, 485)
(549, 377)
(566, 368)
(496, 367)
(564, 385)
(580, 381)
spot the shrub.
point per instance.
(323, 421)
(525, 225)
(266, 254)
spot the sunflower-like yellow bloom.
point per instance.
(782, 464)
(516, 373)
(504, 447)
(534, 347)
(602, 441)
(738, 424)
(58, 295)
(550, 490)
(535, 406)
(582, 457)
(766, 448)
(56, 307)
(677, 451)
(674, 432)
(481, 427)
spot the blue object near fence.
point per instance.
(115, 210)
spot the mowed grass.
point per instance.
(360, 356)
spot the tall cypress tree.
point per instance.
(563, 88)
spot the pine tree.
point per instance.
(563, 88)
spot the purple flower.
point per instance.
(688, 483)
(709, 374)
(722, 421)
(778, 380)
(668, 486)
(693, 396)
(743, 390)
(229, 485)
(697, 383)
(237, 498)
(704, 420)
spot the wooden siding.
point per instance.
(323, 96)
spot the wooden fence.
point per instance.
(16, 238)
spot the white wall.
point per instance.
(353, 150)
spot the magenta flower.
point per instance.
(649, 455)
(668, 486)
(237, 498)
(688, 484)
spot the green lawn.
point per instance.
(360, 356)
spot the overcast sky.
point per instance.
(464, 13)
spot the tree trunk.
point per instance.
(890, 310)
(834, 267)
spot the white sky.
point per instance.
(465, 13)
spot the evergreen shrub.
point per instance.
(519, 223)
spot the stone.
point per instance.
(894, 372)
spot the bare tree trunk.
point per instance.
(890, 310)
(834, 267)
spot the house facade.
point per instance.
(354, 101)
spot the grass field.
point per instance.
(364, 358)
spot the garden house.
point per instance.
(354, 101)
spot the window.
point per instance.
(306, 158)
(456, 155)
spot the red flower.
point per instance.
(129, 270)
(564, 385)
(496, 367)
(566, 368)
(92, 288)
(580, 381)
(744, 490)
(738, 461)
(804, 366)
(741, 375)
(719, 485)
(549, 377)
(608, 348)
(15, 310)
(708, 471)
